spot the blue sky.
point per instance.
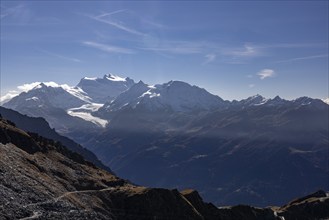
(233, 49)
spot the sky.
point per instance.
(233, 49)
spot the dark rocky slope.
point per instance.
(40, 126)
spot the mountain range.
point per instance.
(42, 179)
(255, 151)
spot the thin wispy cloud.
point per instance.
(238, 56)
(22, 88)
(111, 13)
(174, 50)
(16, 15)
(246, 51)
(303, 58)
(209, 58)
(24, 15)
(154, 24)
(292, 45)
(175, 47)
(60, 56)
(3, 11)
(266, 73)
(117, 24)
(108, 48)
(251, 85)
(12, 11)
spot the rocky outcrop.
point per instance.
(209, 211)
(314, 206)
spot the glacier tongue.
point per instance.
(88, 117)
(84, 112)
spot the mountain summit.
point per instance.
(174, 96)
(105, 89)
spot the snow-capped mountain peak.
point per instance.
(105, 89)
(28, 87)
(115, 78)
(276, 101)
(74, 91)
(173, 95)
(253, 100)
(49, 94)
(310, 102)
(303, 100)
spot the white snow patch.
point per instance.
(152, 148)
(262, 102)
(297, 151)
(88, 117)
(276, 215)
(124, 105)
(90, 78)
(199, 156)
(224, 207)
(115, 78)
(150, 94)
(154, 95)
(326, 100)
(50, 84)
(78, 92)
(33, 98)
(91, 107)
